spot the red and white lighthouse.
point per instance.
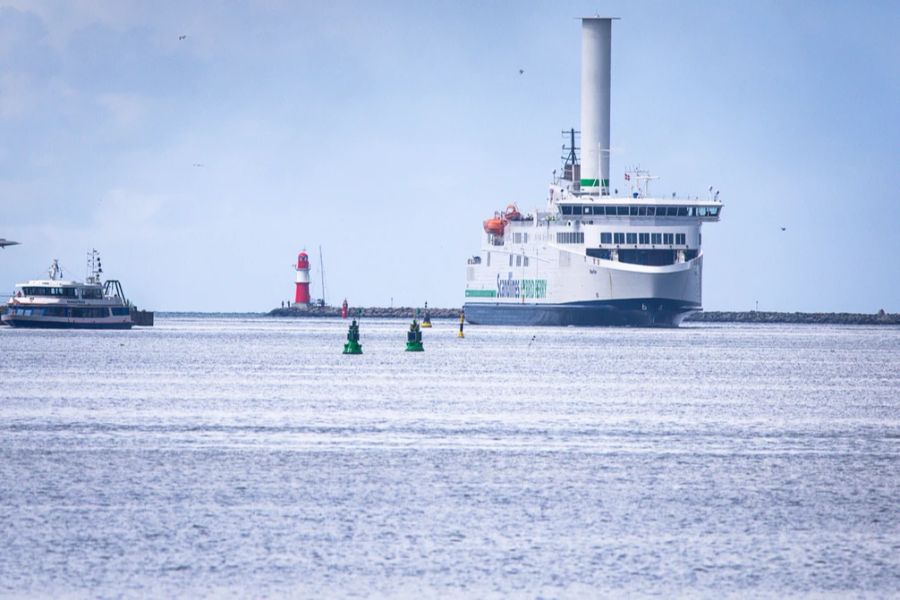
(302, 295)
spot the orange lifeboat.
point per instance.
(495, 225)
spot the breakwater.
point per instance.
(796, 318)
(752, 316)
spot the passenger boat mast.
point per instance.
(94, 267)
(55, 271)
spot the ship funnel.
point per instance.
(596, 45)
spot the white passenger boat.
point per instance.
(59, 303)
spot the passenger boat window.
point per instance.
(619, 238)
(679, 238)
(576, 210)
(668, 238)
(656, 238)
(682, 211)
(566, 210)
(631, 238)
(587, 210)
(701, 211)
(606, 237)
(622, 211)
(713, 211)
(642, 211)
(651, 211)
(672, 211)
(633, 210)
(660, 211)
(644, 238)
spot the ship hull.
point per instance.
(43, 324)
(639, 312)
(592, 293)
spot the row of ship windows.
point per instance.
(63, 292)
(642, 238)
(641, 211)
(521, 261)
(606, 237)
(76, 312)
(570, 237)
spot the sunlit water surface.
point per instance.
(248, 457)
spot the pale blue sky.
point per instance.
(387, 131)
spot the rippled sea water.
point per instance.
(248, 457)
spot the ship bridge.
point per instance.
(609, 206)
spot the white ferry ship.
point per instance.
(65, 304)
(592, 257)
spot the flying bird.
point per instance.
(198, 164)
(182, 37)
(521, 71)
(784, 228)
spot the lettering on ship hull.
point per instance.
(521, 288)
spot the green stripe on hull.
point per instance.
(481, 293)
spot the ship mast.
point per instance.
(571, 168)
(322, 271)
(55, 271)
(94, 268)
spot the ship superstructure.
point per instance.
(592, 257)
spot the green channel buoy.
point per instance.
(414, 338)
(353, 346)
